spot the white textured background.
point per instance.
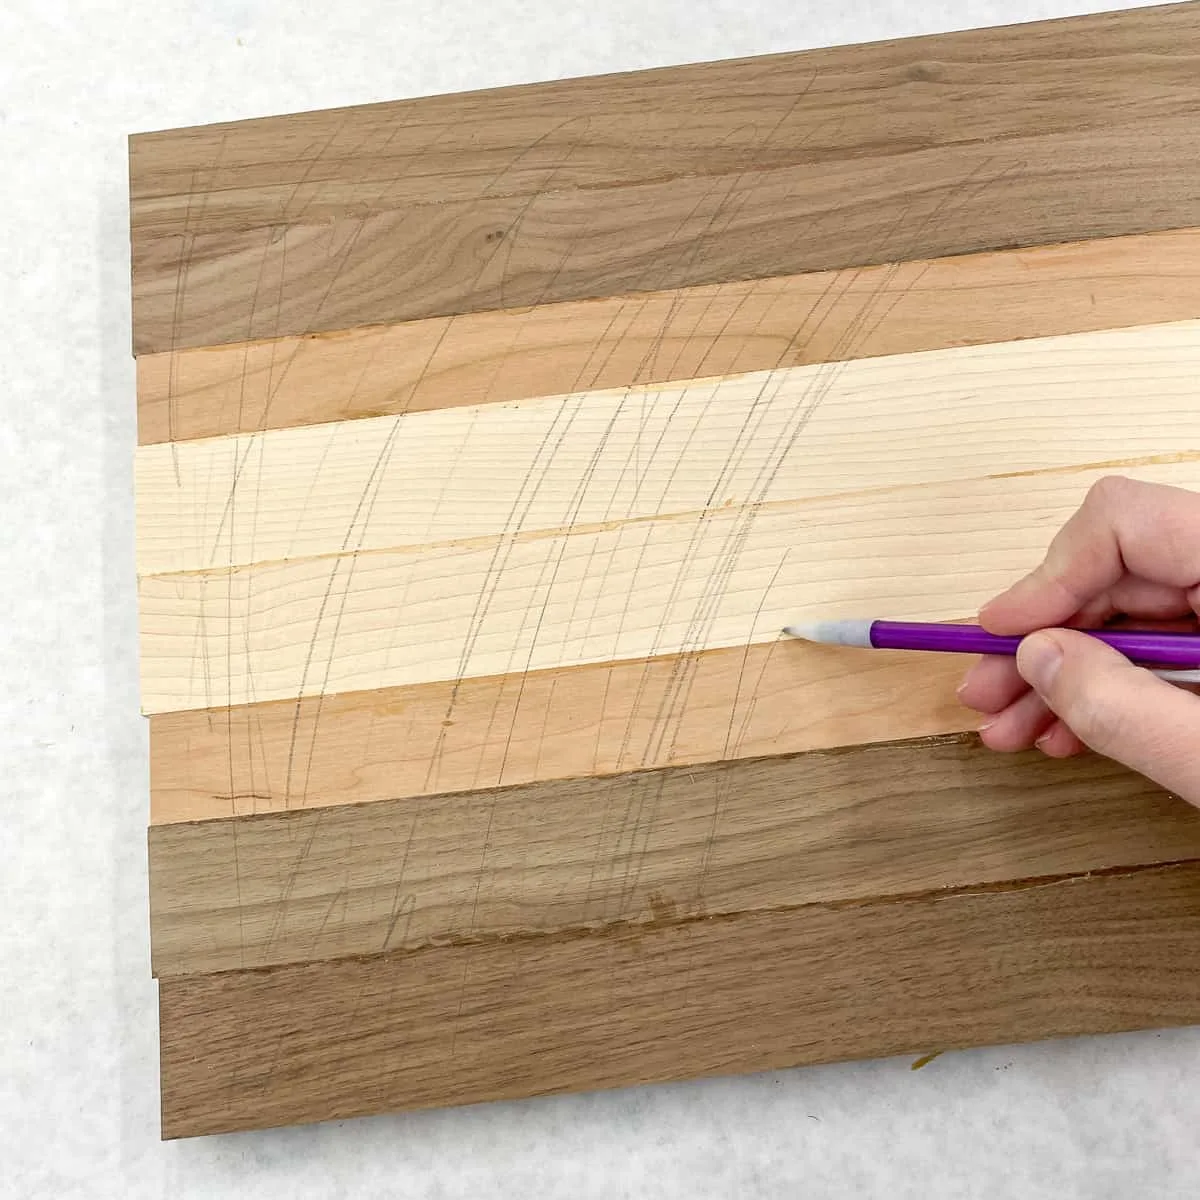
(1096, 1118)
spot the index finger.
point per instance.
(1124, 527)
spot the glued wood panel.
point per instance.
(357, 621)
(827, 159)
(486, 444)
(706, 840)
(672, 999)
(655, 337)
(598, 458)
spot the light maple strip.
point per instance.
(358, 621)
(622, 455)
(621, 341)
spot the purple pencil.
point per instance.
(1155, 650)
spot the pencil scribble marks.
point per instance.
(486, 443)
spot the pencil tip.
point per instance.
(832, 633)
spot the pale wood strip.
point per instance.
(462, 256)
(624, 341)
(354, 622)
(704, 840)
(600, 719)
(668, 1000)
(599, 457)
(701, 119)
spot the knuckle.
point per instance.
(1112, 493)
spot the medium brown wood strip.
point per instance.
(623, 341)
(507, 252)
(669, 999)
(701, 119)
(705, 840)
(601, 719)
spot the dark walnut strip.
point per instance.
(705, 840)
(637, 1004)
(689, 175)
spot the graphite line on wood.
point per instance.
(509, 252)
(671, 999)
(601, 719)
(705, 840)
(598, 458)
(357, 621)
(624, 341)
(698, 120)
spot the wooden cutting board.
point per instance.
(486, 443)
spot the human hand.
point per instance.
(1132, 549)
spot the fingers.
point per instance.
(1016, 718)
(1114, 707)
(1019, 726)
(1059, 742)
(1123, 527)
(992, 684)
(1134, 597)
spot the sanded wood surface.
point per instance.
(487, 442)
(598, 458)
(464, 735)
(656, 337)
(946, 145)
(669, 999)
(630, 127)
(707, 840)
(354, 622)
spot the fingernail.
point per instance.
(985, 726)
(958, 691)
(1041, 742)
(1039, 659)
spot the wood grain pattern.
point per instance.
(688, 333)
(708, 840)
(465, 735)
(630, 127)
(624, 455)
(487, 442)
(672, 999)
(467, 256)
(353, 622)
(1056, 133)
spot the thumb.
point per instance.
(1117, 709)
